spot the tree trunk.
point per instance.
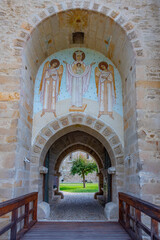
(84, 183)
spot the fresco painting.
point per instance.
(78, 74)
(106, 90)
(76, 20)
(77, 80)
(50, 85)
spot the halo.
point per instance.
(55, 61)
(78, 52)
(103, 63)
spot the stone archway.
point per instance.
(78, 122)
(77, 140)
(128, 49)
(55, 168)
(76, 147)
(29, 53)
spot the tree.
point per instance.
(82, 167)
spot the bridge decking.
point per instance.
(76, 231)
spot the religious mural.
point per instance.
(50, 85)
(77, 80)
(78, 77)
(106, 90)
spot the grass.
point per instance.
(78, 187)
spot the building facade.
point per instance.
(80, 75)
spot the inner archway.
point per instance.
(78, 201)
(88, 149)
(78, 171)
(78, 140)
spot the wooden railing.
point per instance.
(130, 217)
(18, 225)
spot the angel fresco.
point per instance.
(50, 85)
(106, 91)
(77, 80)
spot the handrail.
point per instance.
(127, 201)
(12, 206)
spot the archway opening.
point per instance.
(99, 140)
(66, 144)
(73, 201)
(79, 173)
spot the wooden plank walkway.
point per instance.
(76, 231)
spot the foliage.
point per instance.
(78, 188)
(82, 167)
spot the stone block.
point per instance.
(55, 125)
(111, 170)
(43, 210)
(111, 211)
(43, 170)
(13, 96)
(64, 121)
(8, 160)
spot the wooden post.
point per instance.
(121, 220)
(34, 217)
(154, 229)
(14, 227)
(127, 212)
(138, 220)
(26, 219)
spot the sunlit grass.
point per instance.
(78, 187)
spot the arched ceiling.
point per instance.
(54, 33)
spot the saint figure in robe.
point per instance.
(77, 80)
(106, 91)
(50, 85)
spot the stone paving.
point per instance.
(77, 206)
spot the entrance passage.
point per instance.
(77, 230)
(77, 206)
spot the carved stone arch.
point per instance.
(71, 148)
(28, 27)
(78, 122)
(29, 30)
(77, 147)
(75, 122)
(29, 60)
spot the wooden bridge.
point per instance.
(23, 222)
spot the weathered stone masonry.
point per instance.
(135, 52)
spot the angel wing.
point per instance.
(46, 66)
(97, 74)
(111, 69)
(60, 73)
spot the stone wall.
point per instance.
(140, 98)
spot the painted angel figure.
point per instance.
(77, 80)
(50, 85)
(106, 91)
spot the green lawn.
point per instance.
(78, 187)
